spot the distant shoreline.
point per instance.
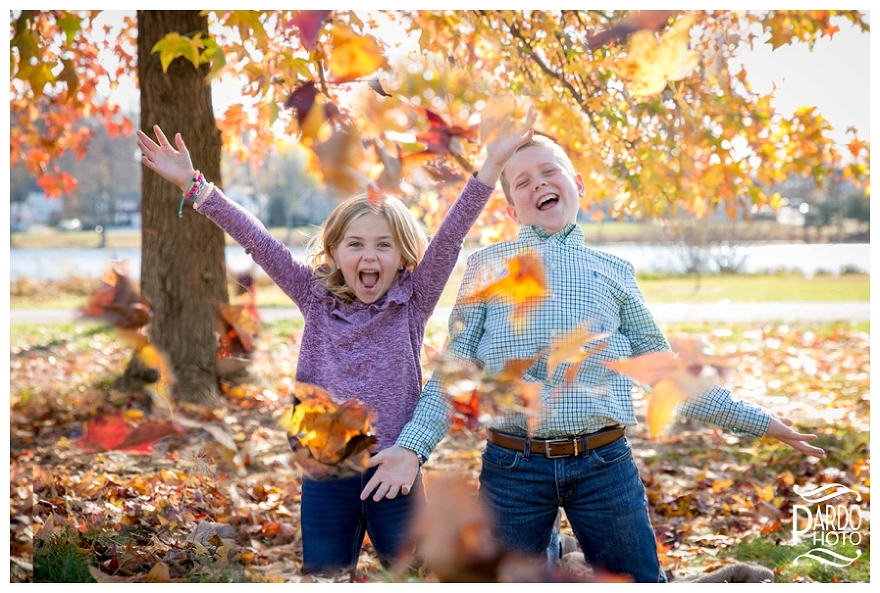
(756, 232)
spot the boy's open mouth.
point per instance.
(547, 202)
(369, 278)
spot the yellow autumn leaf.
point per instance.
(569, 346)
(665, 396)
(354, 56)
(650, 64)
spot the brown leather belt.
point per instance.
(553, 448)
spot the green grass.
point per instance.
(57, 559)
(735, 288)
(780, 555)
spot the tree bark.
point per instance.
(183, 267)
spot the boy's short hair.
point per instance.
(538, 140)
(408, 234)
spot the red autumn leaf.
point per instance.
(652, 20)
(113, 434)
(466, 411)
(438, 139)
(117, 301)
(309, 23)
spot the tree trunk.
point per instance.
(183, 267)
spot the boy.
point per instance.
(577, 458)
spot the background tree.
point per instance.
(183, 271)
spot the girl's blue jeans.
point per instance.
(334, 520)
(603, 498)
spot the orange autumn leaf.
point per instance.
(118, 301)
(330, 438)
(650, 64)
(674, 376)
(524, 285)
(354, 56)
(337, 160)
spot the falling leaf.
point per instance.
(674, 376)
(440, 135)
(524, 285)
(309, 23)
(333, 439)
(354, 56)
(338, 161)
(114, 434)
(118, 301)
(650, 64)
(377, 86)
(651, 20)
(392, 167)
(569, 346)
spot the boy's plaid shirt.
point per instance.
(585, 286)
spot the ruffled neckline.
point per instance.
(400, 292)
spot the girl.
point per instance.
(371, 289)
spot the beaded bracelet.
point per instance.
(197, 183)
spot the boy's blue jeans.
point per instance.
(603, 498)
(334, 520)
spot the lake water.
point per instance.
(55, 264)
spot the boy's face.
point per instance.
(544, 193)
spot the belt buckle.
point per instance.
(548, 444)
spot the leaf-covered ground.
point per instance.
(219, 500)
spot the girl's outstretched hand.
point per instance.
(512, 135)
(174, 165)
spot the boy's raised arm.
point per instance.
(509, 138)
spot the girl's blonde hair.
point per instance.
(408, 234)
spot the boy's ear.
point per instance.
(511, 212)
(579, 183)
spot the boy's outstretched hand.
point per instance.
(780, 430)
(174, 165)
(397, 471)
(498, 152)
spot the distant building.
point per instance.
(36, 209)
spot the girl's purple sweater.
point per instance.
(354, 350)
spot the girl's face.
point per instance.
(368, 257)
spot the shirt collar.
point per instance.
(570, 233)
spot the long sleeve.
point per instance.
(717, 407)
(432, 273)
(431, 418)
(291, 276)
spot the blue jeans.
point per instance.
(603, 499)
(334, 520)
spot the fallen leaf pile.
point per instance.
(213, 494)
